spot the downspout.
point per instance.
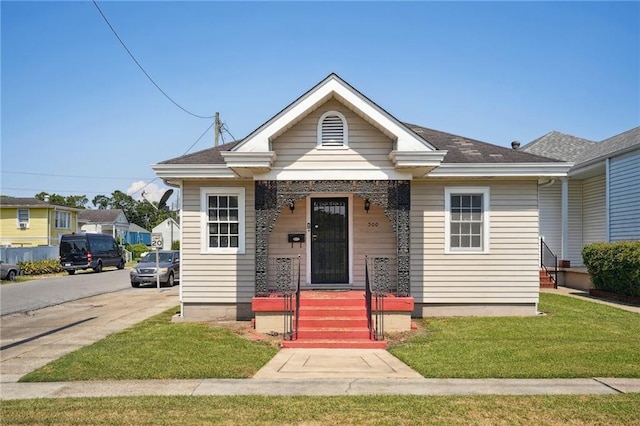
(565, 219)
(607, 188)
(181, 251)
(49, 226)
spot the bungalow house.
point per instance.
(137, 235)
(30, 222)
(598, 201)
(170, 231)
(336, 194)
(104, 221)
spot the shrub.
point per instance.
(137, 249)
(40, 267)
(614, 267)
(175, 245)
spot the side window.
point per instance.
(23, 218)
(62, 220)
(223, 220)
(333, 131)
(466, 220)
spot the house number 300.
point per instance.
(373, 224)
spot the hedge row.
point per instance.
(40, 267)
(614, 267)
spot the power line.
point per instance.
(198, 140)
(71, 176)
(140, 66)
(53, 191)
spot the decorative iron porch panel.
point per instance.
(393, 196)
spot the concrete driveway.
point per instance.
(31, 339)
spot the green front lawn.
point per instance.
(575, 338)
(334, 410)
(159, 349)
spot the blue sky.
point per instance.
(79, 117)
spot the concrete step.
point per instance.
(333, 333)
(335, 344)
(332, 321)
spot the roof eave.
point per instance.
(192, 171)
(470, 170)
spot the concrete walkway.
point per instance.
(290, 372)
(580, 294)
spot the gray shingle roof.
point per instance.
(7, 201)
(613, 144)
(560, 146)
(205, 156)
(571, 148)
(99, 215)
(460, 150)
(465, 150)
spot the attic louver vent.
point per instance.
(332, 131)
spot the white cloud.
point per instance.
(152, 191)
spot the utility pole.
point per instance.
(217, 127)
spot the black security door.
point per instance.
(329, 241)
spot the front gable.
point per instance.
(404, 151)
(361, 153)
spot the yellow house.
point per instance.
(29, 222)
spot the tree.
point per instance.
(77, 201)
(143, 213)
(100, 201)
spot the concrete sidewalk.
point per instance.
(321, 387)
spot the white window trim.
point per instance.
(486, 210)
(345, 129)
(18, 221)
(67, 215)
(204, 215)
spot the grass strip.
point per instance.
(335, 410)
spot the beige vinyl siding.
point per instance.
(215, 278)
(550, 201)
(593, 210)
(574, 245)
(507, 274)
(296, 148)
(373, 237)
(624, 197)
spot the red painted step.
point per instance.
(545, 280)
(333, 319)
(335, 344)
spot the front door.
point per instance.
(329, 241)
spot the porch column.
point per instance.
(403, 233)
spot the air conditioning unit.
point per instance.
(23, 225)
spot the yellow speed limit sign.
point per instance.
(156, 240)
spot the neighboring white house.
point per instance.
(599, 200)
(170, 231)
(334, 177)
(104, 221)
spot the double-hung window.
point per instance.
(23, 218)
(467, 220)
(62, 220)
(223, 216)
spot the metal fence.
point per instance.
(28, 254)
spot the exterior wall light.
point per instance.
(367, 205)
